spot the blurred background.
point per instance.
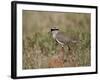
(39, 46)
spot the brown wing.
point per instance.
(62, 38)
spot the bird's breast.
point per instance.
(54, 36)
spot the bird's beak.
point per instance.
(48, 32)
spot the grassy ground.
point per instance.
(38, 45)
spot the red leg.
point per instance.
(62, 49)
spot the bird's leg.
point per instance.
(62, 49)
(69, 49)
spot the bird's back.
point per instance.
(64, 39)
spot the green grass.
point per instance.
(38, 44)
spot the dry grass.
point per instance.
(39, 47)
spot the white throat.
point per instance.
(54, 33)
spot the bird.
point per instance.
(60, 38)
(57, 60)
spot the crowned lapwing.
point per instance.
(59, 59)
(61, 38)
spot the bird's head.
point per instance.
(54, 30)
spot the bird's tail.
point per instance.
(76, 41)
